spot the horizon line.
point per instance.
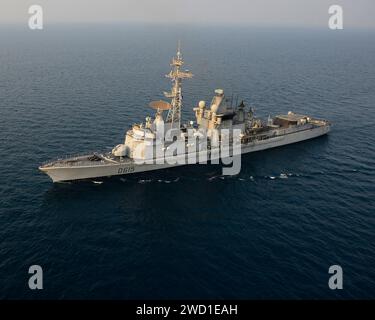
(191, 25)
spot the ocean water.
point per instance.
(271, 232)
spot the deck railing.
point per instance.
(70, 156)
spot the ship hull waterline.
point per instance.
(63, 174)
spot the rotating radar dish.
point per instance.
(160, 105)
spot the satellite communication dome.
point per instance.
(219, 92)
(202, 104)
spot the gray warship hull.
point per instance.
(81, 168)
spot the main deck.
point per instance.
(88, 160)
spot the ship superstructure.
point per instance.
(152, 144)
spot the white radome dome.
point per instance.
(220, 92)
(202, 104)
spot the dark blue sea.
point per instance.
(186, 232)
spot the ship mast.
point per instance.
(174, 114)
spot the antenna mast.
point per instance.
(174, 114)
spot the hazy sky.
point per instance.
(295, 13)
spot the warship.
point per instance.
(147, 146)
